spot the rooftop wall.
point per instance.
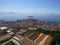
(46, 41)
(41, 40)
(27, 41)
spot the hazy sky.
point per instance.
(30, 6)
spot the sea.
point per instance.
(19, 16)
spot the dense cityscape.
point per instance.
(33, 23)
(29, 32)
(29, 22)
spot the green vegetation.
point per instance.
(54, 34)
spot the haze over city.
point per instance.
(30, 6)
(21, 9)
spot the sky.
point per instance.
(30, 6)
